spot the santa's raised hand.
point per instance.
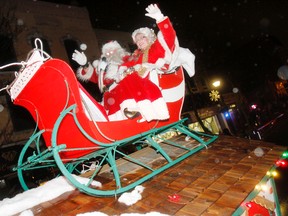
(79, 57)
(154, 12)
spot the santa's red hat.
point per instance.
(149, 33)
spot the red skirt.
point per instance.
(136, 94)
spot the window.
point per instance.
(70, 45)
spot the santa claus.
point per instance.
(103, 71)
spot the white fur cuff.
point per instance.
(85, 74)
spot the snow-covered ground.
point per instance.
(23, 202)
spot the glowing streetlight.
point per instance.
(216, 84)
(214, 94)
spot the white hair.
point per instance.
(110, 45)
(118, 52)
(149, 33)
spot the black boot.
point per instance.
(131, 114)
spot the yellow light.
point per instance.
(273, 173)
(264, 187)
(216, 83)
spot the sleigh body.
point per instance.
(77, 132)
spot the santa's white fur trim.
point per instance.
(85, 74)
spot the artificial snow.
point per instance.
(22, 202)
(130, 198)
(27, 213)
(28, 199)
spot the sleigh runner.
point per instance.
(78, 134)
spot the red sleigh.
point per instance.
(78, 134)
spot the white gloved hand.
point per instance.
(154, 12)
(79, 57)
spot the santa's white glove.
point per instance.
(154, 12)
(79, 57)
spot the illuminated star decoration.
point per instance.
(214, 95)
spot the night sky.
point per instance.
(245, 39)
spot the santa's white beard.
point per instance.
(117, 57)
(114, 61)
(111, 71)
